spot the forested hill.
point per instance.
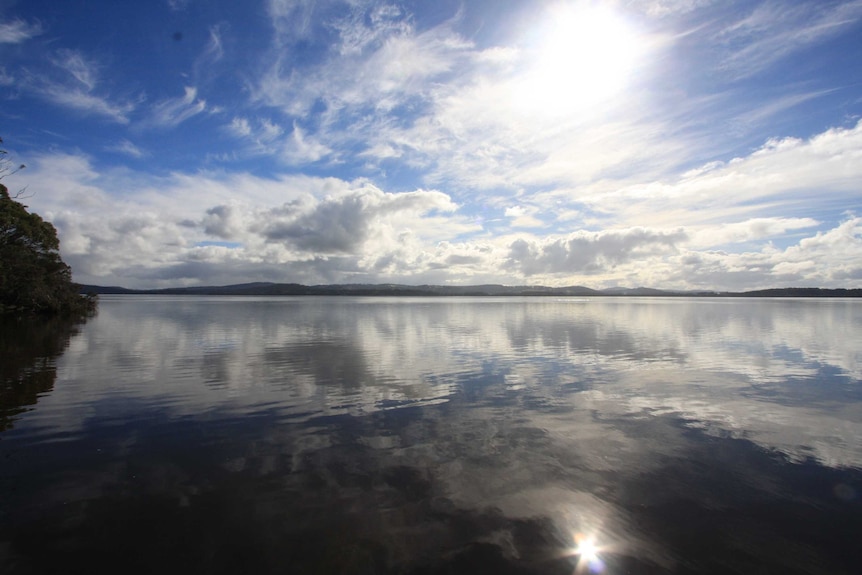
(475, 290)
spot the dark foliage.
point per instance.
(33, 277)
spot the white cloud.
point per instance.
(346, 222)
(523, 216)
(783, 172)
(771, 108)
(5, 78)
(663, 8)
(128, 148)
(380, 65)
(587, 253)
(301, 149)
(72, 84)
(214, 50)
(362, 29)
(836, 253)
(87, 103)
(464, 127)
(225, 221)
(291, 18)
(178, 5)
(172, 112)
(436, 101)
(749, 230)
(464, 124)
(404, 63)
(122, 227)
(773, 30)
(18, 31)
(81, 69)
(205, 66)
(263, 136)
(826, 259)
(240, 127)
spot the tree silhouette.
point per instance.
(33, 277)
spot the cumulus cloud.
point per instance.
(836, 253)
(588, 253)
(826, 259)
(224, 221)
(335, 226)
(287, 229)
(343, 224)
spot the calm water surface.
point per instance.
(425, 436)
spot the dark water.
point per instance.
(432, 436)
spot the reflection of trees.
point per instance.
(29, 348)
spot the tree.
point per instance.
(33, 277)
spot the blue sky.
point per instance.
(667, 143)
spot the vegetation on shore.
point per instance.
(34, 280)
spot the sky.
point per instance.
(677, 144)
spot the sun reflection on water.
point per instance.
(588, 556)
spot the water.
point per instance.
(425, 436)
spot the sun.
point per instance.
(581, 55)
(587, 553)
(587, 549)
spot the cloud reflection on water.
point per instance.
(783, 373)
(447, 431)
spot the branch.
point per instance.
(5, 171)
(20, 195)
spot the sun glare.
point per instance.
(587, 553)
(582, 56)
(587, 549)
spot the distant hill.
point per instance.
(349, 289)
(291, 289)
(802, 292)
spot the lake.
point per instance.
(434, 435)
